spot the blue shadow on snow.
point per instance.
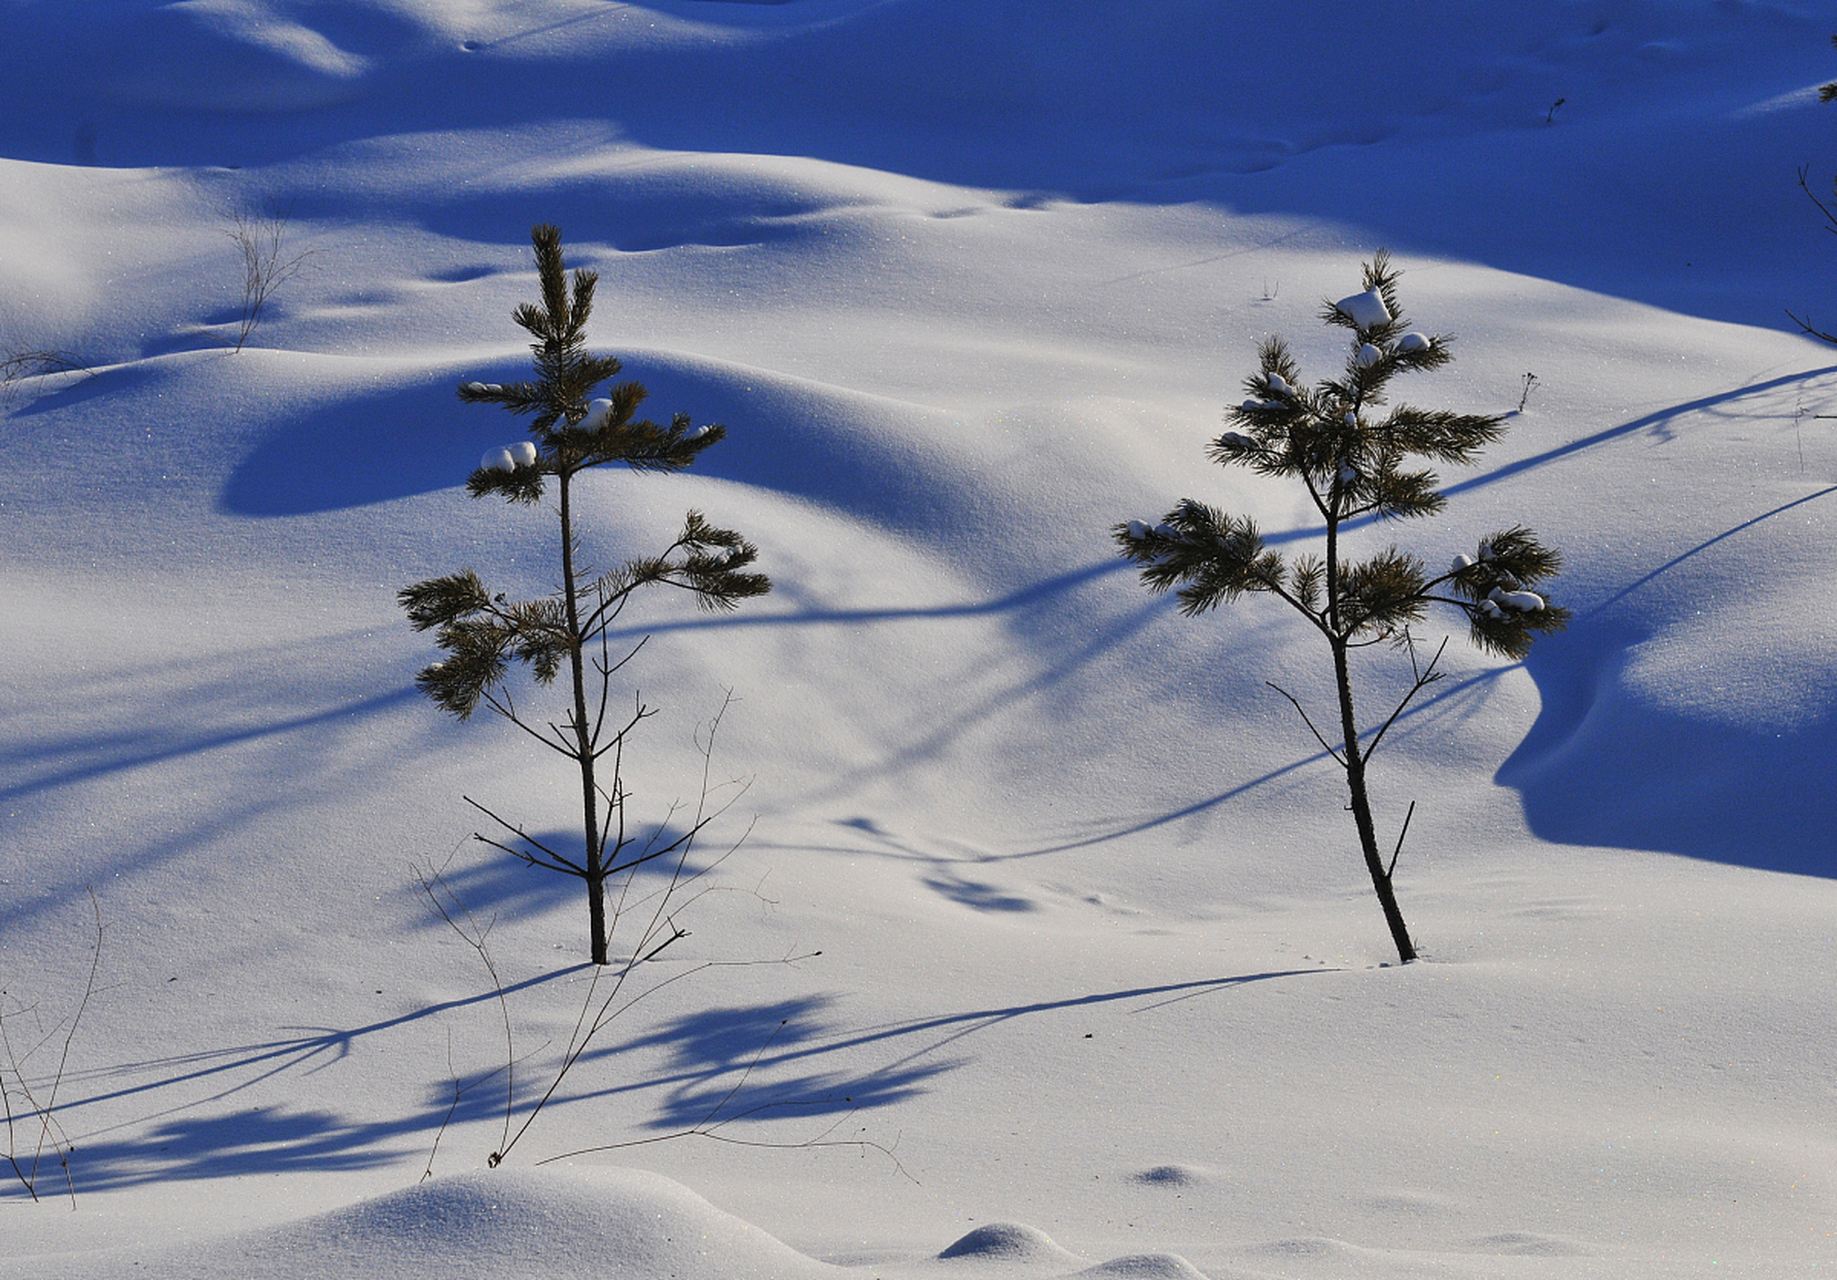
(1603, 767)
(366, 448)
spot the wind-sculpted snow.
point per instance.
(1392, 117)
(620, 1224)
(968, 285)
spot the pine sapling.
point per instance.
(1826, 93)
(1356, 464)
(482, 632)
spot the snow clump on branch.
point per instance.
(1366, 310)
(509, 457)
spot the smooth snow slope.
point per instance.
(968, 284)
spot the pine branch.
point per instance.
(1326, 746)
(1423, 680)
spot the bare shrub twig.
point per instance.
(267, 264)
(616, 988)
(37, 1113)
(19, 365)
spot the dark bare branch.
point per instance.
(1302, 712)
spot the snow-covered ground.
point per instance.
(969, 284)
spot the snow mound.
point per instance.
(1530, 1244)
(613, 1224)
(1148, 1266)
(1007, 1242)
(1302, 1247)
(1172, 1175)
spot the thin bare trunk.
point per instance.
(583, 735)
(1361, 810)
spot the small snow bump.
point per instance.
(497, 460)
(599, 413)
(1460, 564)
(1413, 342)
(523, 453)
(1368, 356)
(1008, 1242)
(1237, 440)
(1529, 1244)
(1171, 1175)
(1147, 1266)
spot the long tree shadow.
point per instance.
(744, 1064)
(212, 719)
(241, 1067)
(187, 1135)
(1601, 768)
(1658, 418)
(769, 1059)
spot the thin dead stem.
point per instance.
(44, 1114)
(260, 239)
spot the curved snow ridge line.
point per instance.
(608, 192)
(733, 372)
(223, 56)
(324, 374)
(912, 470)
(878, 460)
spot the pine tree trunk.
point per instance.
(583, 737)
(1361, 810)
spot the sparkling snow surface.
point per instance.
(969, 285)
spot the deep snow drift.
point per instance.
(968, 285)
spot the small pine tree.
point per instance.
(1826, 93)
(482, 633)
(1355, 465)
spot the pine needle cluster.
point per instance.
(1357, 464)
